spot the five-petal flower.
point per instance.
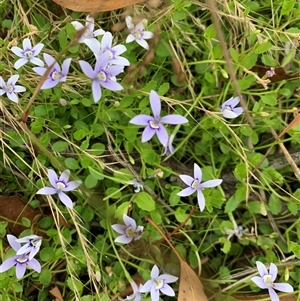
(113, 52)
(89, 35)
(11, 88)
(56, 75)
(229, 109)
(266, 280)
(31, 247)
(28, 54)
(136, 295)
(102, 75)
(138, 33)
(196, 185)
(154, 125)
(59, 186)
(130, 231)
(20, 261)
(159, 283)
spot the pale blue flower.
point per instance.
(159, 283)
(229, 109)
(20, 261)
(59, 186)
(31, 247)
(130, 231)
(196, 185)
(10, 88)
(28, 54)
(266, 280)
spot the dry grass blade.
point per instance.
(190, 286)
(96, 5)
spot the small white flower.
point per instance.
(137, 185)
(138, 33)
(89, 36)
(11, 88)
(28, 54)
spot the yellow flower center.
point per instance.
(195, 184)
(28, 54)
(22, 259)
(267, 279)
(153, 124)
(137, 35)
(158, 283)
(60, 185)
(130, 232)
(10, 89)
(228, 108)
(102, 76)
(55, 75)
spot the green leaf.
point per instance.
(47, 254)
(287, 6)
(249, 60)
(45, 277)
(181, 216)
(26, 222)
(90, 182)
(150, 156)
(269, 99)
(113, 193)
(74, 285)
(60, 146)
(295, 248)
(46, 222)
(263, 47)
(246, 130)
(97, 149)
(226, 244)
(121, 210)
(293, 208)
(144, 201)
(232, 204)
(163, 89)
(240, 171)
(72, 164)
(17, 287)
(87, 214)
(275, 204)
(79, 134)
(151, 85)
(95, 173)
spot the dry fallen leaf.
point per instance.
(262, 296)
(96, 5)
(56, 293)
(190, 286)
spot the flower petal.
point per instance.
(65, 200)
(168, 278)
(13, 79)
(238, 111)
(232, 102)
(147, 35)
(52, 176)
(197, 173)
(99, 32)
(19, 63)
(262, 270)
(87, 69)
(17, 51)
(229, 114)
(27, 44)
(77, 25)
(20, 270)
(129, 222)
(143, 43)
(154, 294)
(118, 49)
(47, 191)
(130, 38)
(273, 295)
(72, 185)
(273, 271)
(129, 23)
(186, 192)
(154, 272)
(147, 286)
(8, 263)
(106, 41)
(101, 62)
(111, 85)
(65, 66)
(13, 97)
(36, 61)
(188, 180)
(35, 265)
(96, 89)
(283, 287)
(155, 104)
(211, 183)
(13, 243)
(259, 282)
(37, 48)
(119, 228)
(201, 200)
(162, 135)
(94, 45)
(148, 133)
(64, 177)
(167, 290)
(173, 119)
(141, 119)
(124, 239)
(49, 83)
(18, 89)
(39, 70)
(49, 59)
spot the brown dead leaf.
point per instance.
(56, 293)
(190, 286)
(12, 209)
(263, 296)
(96, 5)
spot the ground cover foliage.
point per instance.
(200, 55)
